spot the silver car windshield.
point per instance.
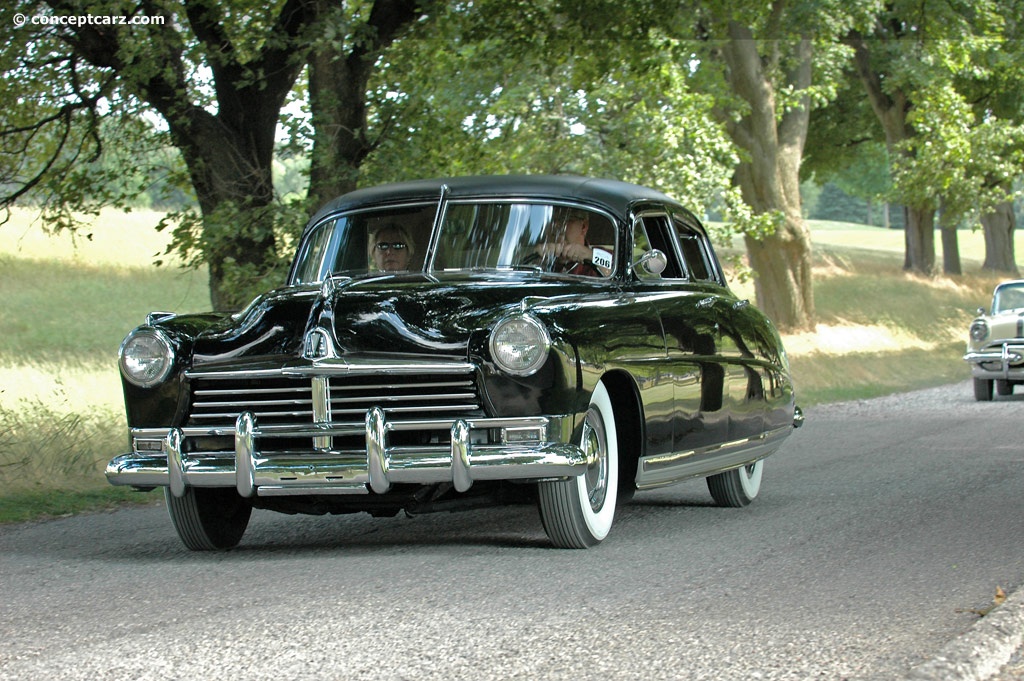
(472, 236)
(1008, 298)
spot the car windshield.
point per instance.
(1008, 298)
(498, 235)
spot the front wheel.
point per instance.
(737, 487)
(578, 513)
(983, 390)
(1004, 388)
(209, 519)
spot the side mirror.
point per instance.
(653, 261)
(981, 312)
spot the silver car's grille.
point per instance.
(216, 403)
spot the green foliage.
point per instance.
(632, 89)
(940, 65)
(16, 507)
(200, 239)
(835, 204)
(109, 103)
(535, 88)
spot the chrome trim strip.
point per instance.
(666, 469)
(341, 366)
(321, 410)
(348, 428)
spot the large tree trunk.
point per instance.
(338, 84)
(782, 264)
(228, 153)
(920, 240)
(950, 247)
(769, 178)
(892, 106)
(233, 184)
(999, 226)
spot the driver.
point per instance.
(567, 247)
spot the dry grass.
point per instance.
(881, 330)
(69, 300)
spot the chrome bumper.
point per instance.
(1005, 362)
(524, 453)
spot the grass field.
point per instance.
(69, 302)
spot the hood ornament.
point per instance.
(318, 345)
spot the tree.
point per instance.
(224, 125)
(214, 77)
(773, 138)
(909, 65)
(759, 61)
(340, 70)
(994, 88)
(527, 87)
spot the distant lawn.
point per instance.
(69, 302)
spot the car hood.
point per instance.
(404, 315)
(1005, 325)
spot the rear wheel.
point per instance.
(983, 390)
(737, 487)
(209, 519)
(578, 513)
(1004, 388)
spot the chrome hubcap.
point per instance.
(595, 448)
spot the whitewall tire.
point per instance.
(737, 487)
(578, 513)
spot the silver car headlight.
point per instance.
(146, 357)
(979, 330)
(520, 345)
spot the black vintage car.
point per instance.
(449, 343)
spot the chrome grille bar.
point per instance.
(291, 398)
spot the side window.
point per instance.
(641, 244)
(312, 254)
(652, 231)
(696, 256)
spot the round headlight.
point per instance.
(520, 345)
(979, 330)
(146, 357)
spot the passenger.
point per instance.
(391, 249)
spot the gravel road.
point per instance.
(881, 529)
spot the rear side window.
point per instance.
(696, 254)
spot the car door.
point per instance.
(738, 336)
(696, 416)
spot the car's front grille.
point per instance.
(216, 403)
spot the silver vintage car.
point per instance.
(995, 345)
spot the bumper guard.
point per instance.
(335, 472)
(1010, 358)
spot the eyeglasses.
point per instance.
(385, 246)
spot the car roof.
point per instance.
(612, 195)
